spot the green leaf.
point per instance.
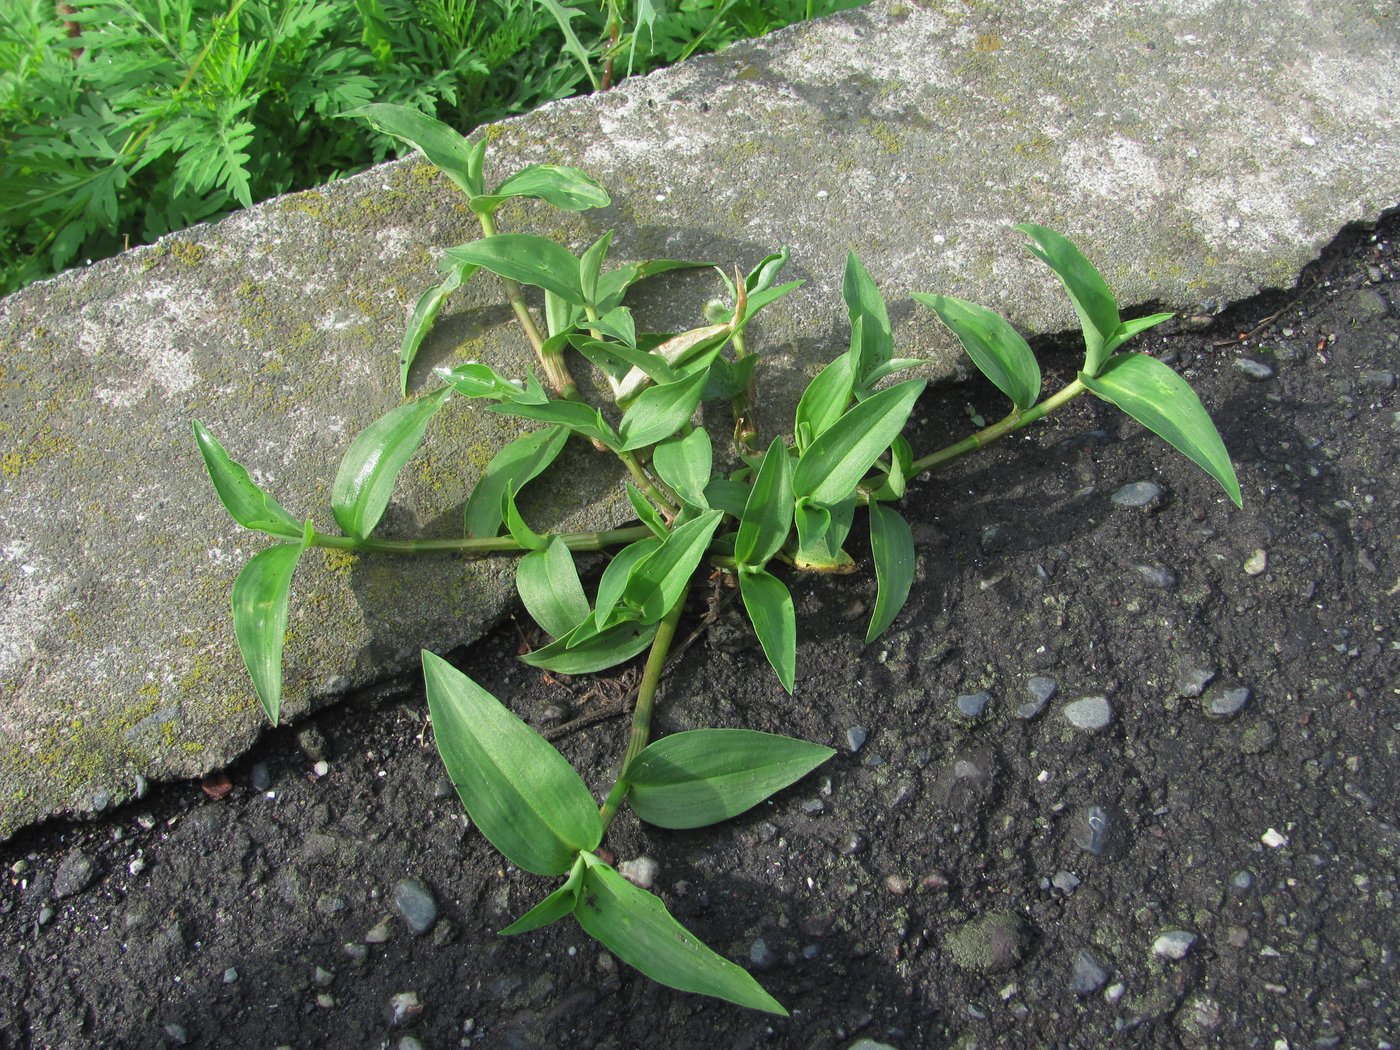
(994, 346)
(770, 609)
(834, 463)
(864, 303)
(614, 285)
(892, 549)
(767, 517)
(1093, 302)
(519, 531)
(568, 189)
(729, 379)
(660, 411)
(821, 531)
(578, 417)
(554, 907)
(727, 495)
(897, 477)
(481, 381)
(563, 16)
(647, 514)
(520, 792)
(685, 463)
(657, 583)
(241, 496)
(587, 649)
(260, 596)
(617, 359)
(371, 464)
(591, 265)
(517, 463)
(550, 588)
(560, 316)
(446, 149)
(616, 575)
(619, 324)
(827, 395)
(704, 776)
(636, 927)
(523, 257)
(1165, 404)
(425, 312)
(1128, 329)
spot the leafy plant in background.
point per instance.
(122, 120)
(791, 503)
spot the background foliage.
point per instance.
(121, 120)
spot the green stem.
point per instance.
(575, 541)
(1009, 425)
(745, 424)
(667, 502)
(641, 714)
(556, 371)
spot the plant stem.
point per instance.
(556, 371)
(641, 713)
(1008, 425)
(667, 502)
(745, 423)
(575, 541)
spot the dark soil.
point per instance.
(862, 893)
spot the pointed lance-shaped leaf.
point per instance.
(371, 465)
(567, 189)
(770, 609)
(241, 496)
(586, 649)
(523, 257)
(828, 394)
(636, 927)
(892, 550)
(526, 799)
(767, 517)
(864, 302)
(834, 463)
(425, 312)
(554, 907)
(657, 582)
(1165, 404)
(260, 599)
(449, 151)
(701, 777)
(516, 464)
(685, 463)
(995, 347)
(1093, 302)
(614, 579)
(551, 590)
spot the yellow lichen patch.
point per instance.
(312, 202)
(987, 42)
(188, 252)
(887, 139)
(339, 561)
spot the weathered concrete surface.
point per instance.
(1199, 151)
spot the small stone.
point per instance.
(176, 1034)
(1094, 826)
(897, 885)
(326, 904)
(1242, 880)
(1065, 881)
(760, 955)
(231, 975)
(1042, 689)
(1258, 738)
(1200, 1016)
(1088, 975)
(1137, 494)
(1191, 682)
(380, 932)
(356, 953)
(640, 872)
(143, 787)
(445, 932)
(1090, 713)
(415, 904)
(1257, 563)
(325, 1000)
(442, 788)
(1173, 944)
(1256, 370)
(323, 977)
(1158, 576)
(321, 768)
(1376, 380)
(404, 1009)
(409, 1043)
(1226, 703)
(995, 537)
(813, 807)
(971, 705)
(101, 800)
(19, 868)
(75, 874)
(137, 866)
(45, 915)
(1237, 937)
(853, 844)
(991, 943)
(260, 776)
(1273, 839)
(856, 737)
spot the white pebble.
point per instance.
(1273, 839)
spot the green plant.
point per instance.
(123, 120)
(792, 503)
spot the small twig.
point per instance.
(1244, 336)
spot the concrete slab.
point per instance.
(1200, 151)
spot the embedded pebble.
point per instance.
(323, 977)
(409, 1043)
(143, 787)
(994, 537)
(1095, 824)
(321, 768)
(1173, 944)
(1192, 681)
(1226, 703)
(1377, 380)
(137, 866)
(1254, 369)
(971, 705)
(326, 904)
(313, 744)
(1137, 494)
(640, 872)
(1090, 713)
(1256, 563)
(760, 955)
(380, 932)
(1065, 881)
(75, 874)
(101, 800)
(1242, 880)
(856, 737)
(260, 777)
(1042, 690)
(45, 915)
(356, 953)
(813, 807)
(415, 904)
(1158, 576)
(1258, 738)
(404, 1009)
(1273, 839)
(325, 1000)
(231, 975)
(991, 943)
(442, 788)
(444, 933)
(177, 1034)
(897, 885)
(1088, 975)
